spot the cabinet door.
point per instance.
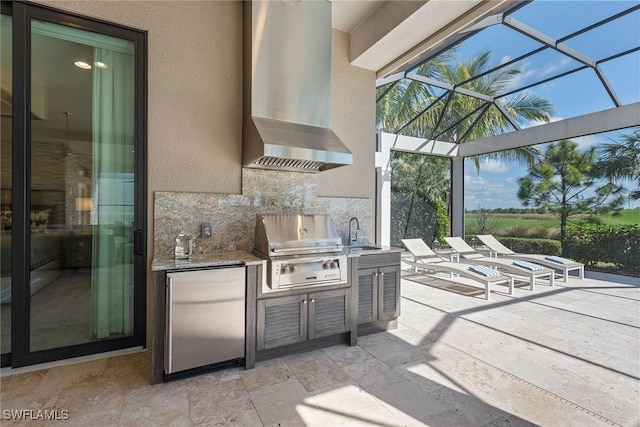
(367, 295)
(281, 321)
(328, 313)
(388, 292)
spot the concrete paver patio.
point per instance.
(562, 356)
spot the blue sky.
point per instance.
(496, 184)
(573, 95)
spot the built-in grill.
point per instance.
(302, 250)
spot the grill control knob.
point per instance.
(333, 264)
(294, 268)
(325, 265)
(286, 269)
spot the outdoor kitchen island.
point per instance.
(292, 320)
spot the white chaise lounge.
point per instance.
(518, 268)
(557, 263)
(424, 258)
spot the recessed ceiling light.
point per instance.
(83, 65)
(100, 64)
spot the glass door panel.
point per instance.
(6, 214)
(81, 187)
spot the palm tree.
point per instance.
(621, 160)
(412, 108)
(454, 117)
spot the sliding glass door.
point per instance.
(6, 220)
(76, 280)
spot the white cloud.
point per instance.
(530, 73)
(554, 67)
(489, 194)
(532, 123)
(514, 179)
(493, 166)
(517, 80)
(505, 59)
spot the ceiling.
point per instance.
(346, 15)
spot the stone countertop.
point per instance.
(213, 259)
(355, 251)
(227, 258)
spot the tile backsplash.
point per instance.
(233, 216)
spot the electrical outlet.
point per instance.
(206, 230)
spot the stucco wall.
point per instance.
(353, 114)
(195, 84)
(195, 99)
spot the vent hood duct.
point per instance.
(287, 87)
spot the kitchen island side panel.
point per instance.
(254, 277)
(158, 326)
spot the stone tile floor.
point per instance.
(562, 356)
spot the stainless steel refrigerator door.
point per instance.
(205, 317)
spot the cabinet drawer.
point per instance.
(377, 260)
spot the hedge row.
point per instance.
(532, 246)
(589, 244)
(616, 244)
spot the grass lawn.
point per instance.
(501, 221)
(627, 217)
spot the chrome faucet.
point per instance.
(355, 235)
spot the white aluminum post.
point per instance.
(457, 196)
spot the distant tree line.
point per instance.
(508, 210)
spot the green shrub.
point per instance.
(615, 244)
(525, 231)
(532, 246)
(442, 223)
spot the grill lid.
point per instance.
(295, 234)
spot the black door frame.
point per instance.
(22, 13)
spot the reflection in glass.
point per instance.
(82, 175)
(6, 216)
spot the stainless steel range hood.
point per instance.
(287, 87)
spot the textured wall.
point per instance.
(195, 88)
(195, 63)
(195, 111)
(353, 114)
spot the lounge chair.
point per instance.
(518, 268)
(557, 263)
(425, 258)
